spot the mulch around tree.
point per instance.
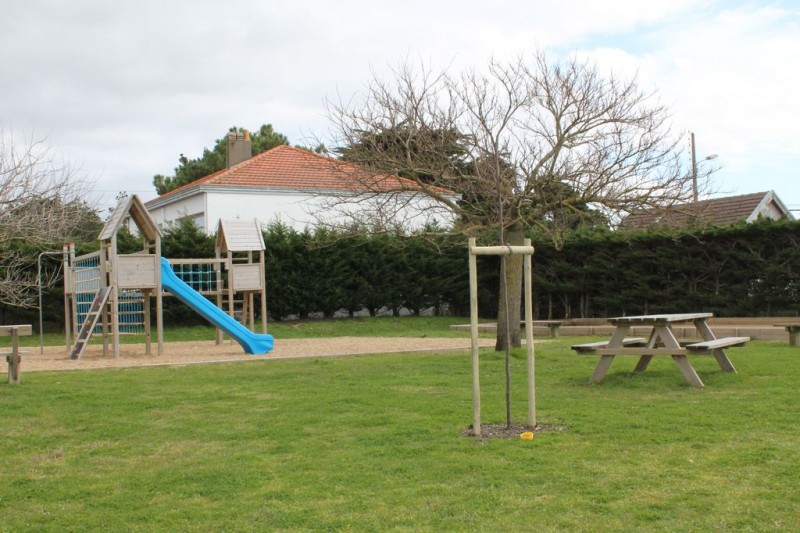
(503, 431)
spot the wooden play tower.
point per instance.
(240, 246)
(101, 286)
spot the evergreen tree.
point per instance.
(213, 160)
(185, 240)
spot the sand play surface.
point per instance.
(198, 352)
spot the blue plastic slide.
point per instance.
(251, 342)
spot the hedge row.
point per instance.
(743, 270)
(347, 273)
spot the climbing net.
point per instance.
(202, 276)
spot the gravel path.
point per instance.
(198, 352)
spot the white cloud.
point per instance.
(729, 75)
(126, 86)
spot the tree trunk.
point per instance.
(513, 282)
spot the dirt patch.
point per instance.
(200, 352)
(502, 431)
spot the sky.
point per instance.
(120, 89)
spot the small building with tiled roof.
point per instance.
(712, 212)
(289, 185)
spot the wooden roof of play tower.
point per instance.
(131, 206)
(237, 235)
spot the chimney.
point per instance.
(239, 148)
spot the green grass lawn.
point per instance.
(368, 443)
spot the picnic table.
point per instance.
(660, 341)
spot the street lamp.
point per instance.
(694, 168)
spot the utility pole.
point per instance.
(694, 167)
(694, 171)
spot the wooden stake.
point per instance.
(473, 313)
(528, 273)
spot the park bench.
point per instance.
(793, 330)
(13, 357)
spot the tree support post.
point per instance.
(527, 251)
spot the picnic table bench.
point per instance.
(793, 330)
(661, 341)
(13, 357)
(716, 344)
(592, 347)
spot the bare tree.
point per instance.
(42, 203)
(530, 143)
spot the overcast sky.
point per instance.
(121, 88)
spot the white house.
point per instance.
(298, 188)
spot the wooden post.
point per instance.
(68, 288)
(219, 289)
(245, 308)
(104, 266)
(262, 269)
(229, 264)
(113, 304)
(528, 273)
(251, 297)
(74, 298)
(473, 314)
(148, 337)
(13, 358)
(159, 299)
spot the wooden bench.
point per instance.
(591, 347)
(13, 357)
(793, 330)
(716, 344)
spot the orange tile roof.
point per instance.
(717, 211)
(285, 167)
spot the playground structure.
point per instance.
(110, 293)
